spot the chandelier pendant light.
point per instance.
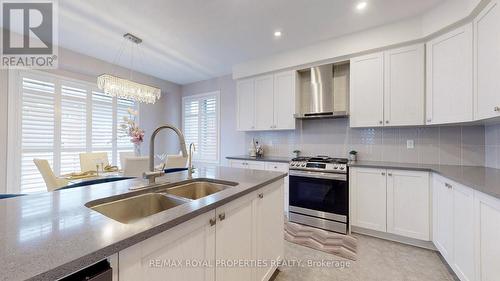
(119, 87)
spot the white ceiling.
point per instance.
(192, 40)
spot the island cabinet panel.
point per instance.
(269, 223)
(408, 204)
(487, 237)
(224, 244)
(235, 239)
(487, 61)
(449, 94)
(165, 256)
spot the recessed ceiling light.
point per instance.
(361, 6)
(277, 34)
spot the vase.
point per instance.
(137, 150)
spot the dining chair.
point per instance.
(88, 161)
(51, 181)
(175, 161)
(125, 154)
(135, 166)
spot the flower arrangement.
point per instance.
(130, 129)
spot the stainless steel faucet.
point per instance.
(152, 174)
(192, 149)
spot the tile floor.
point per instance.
(378, 260)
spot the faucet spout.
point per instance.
(151, 175)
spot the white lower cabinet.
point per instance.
(408, 204)
(249, 228)
(487, 215)
(368, 198)
(393, 201)
(453, 219)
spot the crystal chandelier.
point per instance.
(115, 86)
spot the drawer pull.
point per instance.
(448, 185)
(212, 221)
(261, 195)
(222, 216)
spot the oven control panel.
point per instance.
(317, 166)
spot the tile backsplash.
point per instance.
(454, 145)
(492, 146)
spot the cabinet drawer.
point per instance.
(280, 167)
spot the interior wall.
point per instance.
(232, 142)
(448, 145)
(3, 129)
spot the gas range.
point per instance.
(323, 164)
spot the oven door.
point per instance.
(319, 194)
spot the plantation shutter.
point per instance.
(200, 126)
(73, 127)
(37, 130)
(102, 124)
(123, 140)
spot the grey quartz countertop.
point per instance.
(483, 179)
(48, 235)
(264, 158)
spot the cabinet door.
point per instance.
(367, 91)
(408, 204)
(284, 100)
(264, 102)
(443, 217)
(449, 77)
(269, 228)
(282, 167)
(256, 165)
(487, 237)
(404, 86)
(238, 164)
(463, 232)
(368, 198)
(192, 240)
(487, 61)
(234, 239)
(246, 104)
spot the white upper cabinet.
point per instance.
(245, 104)
(487, 61)
(367, 91)
(284, 100)
(264, 92)
(408, 204)
(404, 86)
(267, 102)
(387, 89)
(449, 77)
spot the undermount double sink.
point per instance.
(149, 201)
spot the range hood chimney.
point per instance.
(324, 91)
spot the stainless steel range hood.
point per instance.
(324, 91)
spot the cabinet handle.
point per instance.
(222, 216)
(387, 122)
(448, 185)
(212, 221)
(380, 122)
(389, 174)
(496, 108)
(429, 120)
(261, 195)
(383, 174)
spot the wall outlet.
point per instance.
(410, 144)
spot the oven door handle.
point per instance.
(318, 175)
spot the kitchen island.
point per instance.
(47, 236)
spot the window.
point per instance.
(57, 119)
(200, 122)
